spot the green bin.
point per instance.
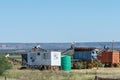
(66, 63)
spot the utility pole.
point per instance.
(112, 44)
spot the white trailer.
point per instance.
(38, 58)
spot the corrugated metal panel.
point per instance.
(115, 57)
(85, 55)
(109, 57)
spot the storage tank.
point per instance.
(66, 63)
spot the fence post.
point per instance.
(5, 78)
(96, 78)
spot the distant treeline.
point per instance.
(19, 48)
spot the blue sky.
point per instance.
(59, 20)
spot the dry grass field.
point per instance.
(83, 74)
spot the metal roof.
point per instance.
(84, 48)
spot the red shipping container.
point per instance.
(111, 57)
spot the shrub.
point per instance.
(94, 63)
(4, 64)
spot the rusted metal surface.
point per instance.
(100, 78)
(109, 57)
(84, 48)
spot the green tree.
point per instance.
(4, 64)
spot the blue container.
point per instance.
(85, 55)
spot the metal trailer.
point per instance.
(39, 58)
(44, 59)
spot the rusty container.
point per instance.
(110, 57)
